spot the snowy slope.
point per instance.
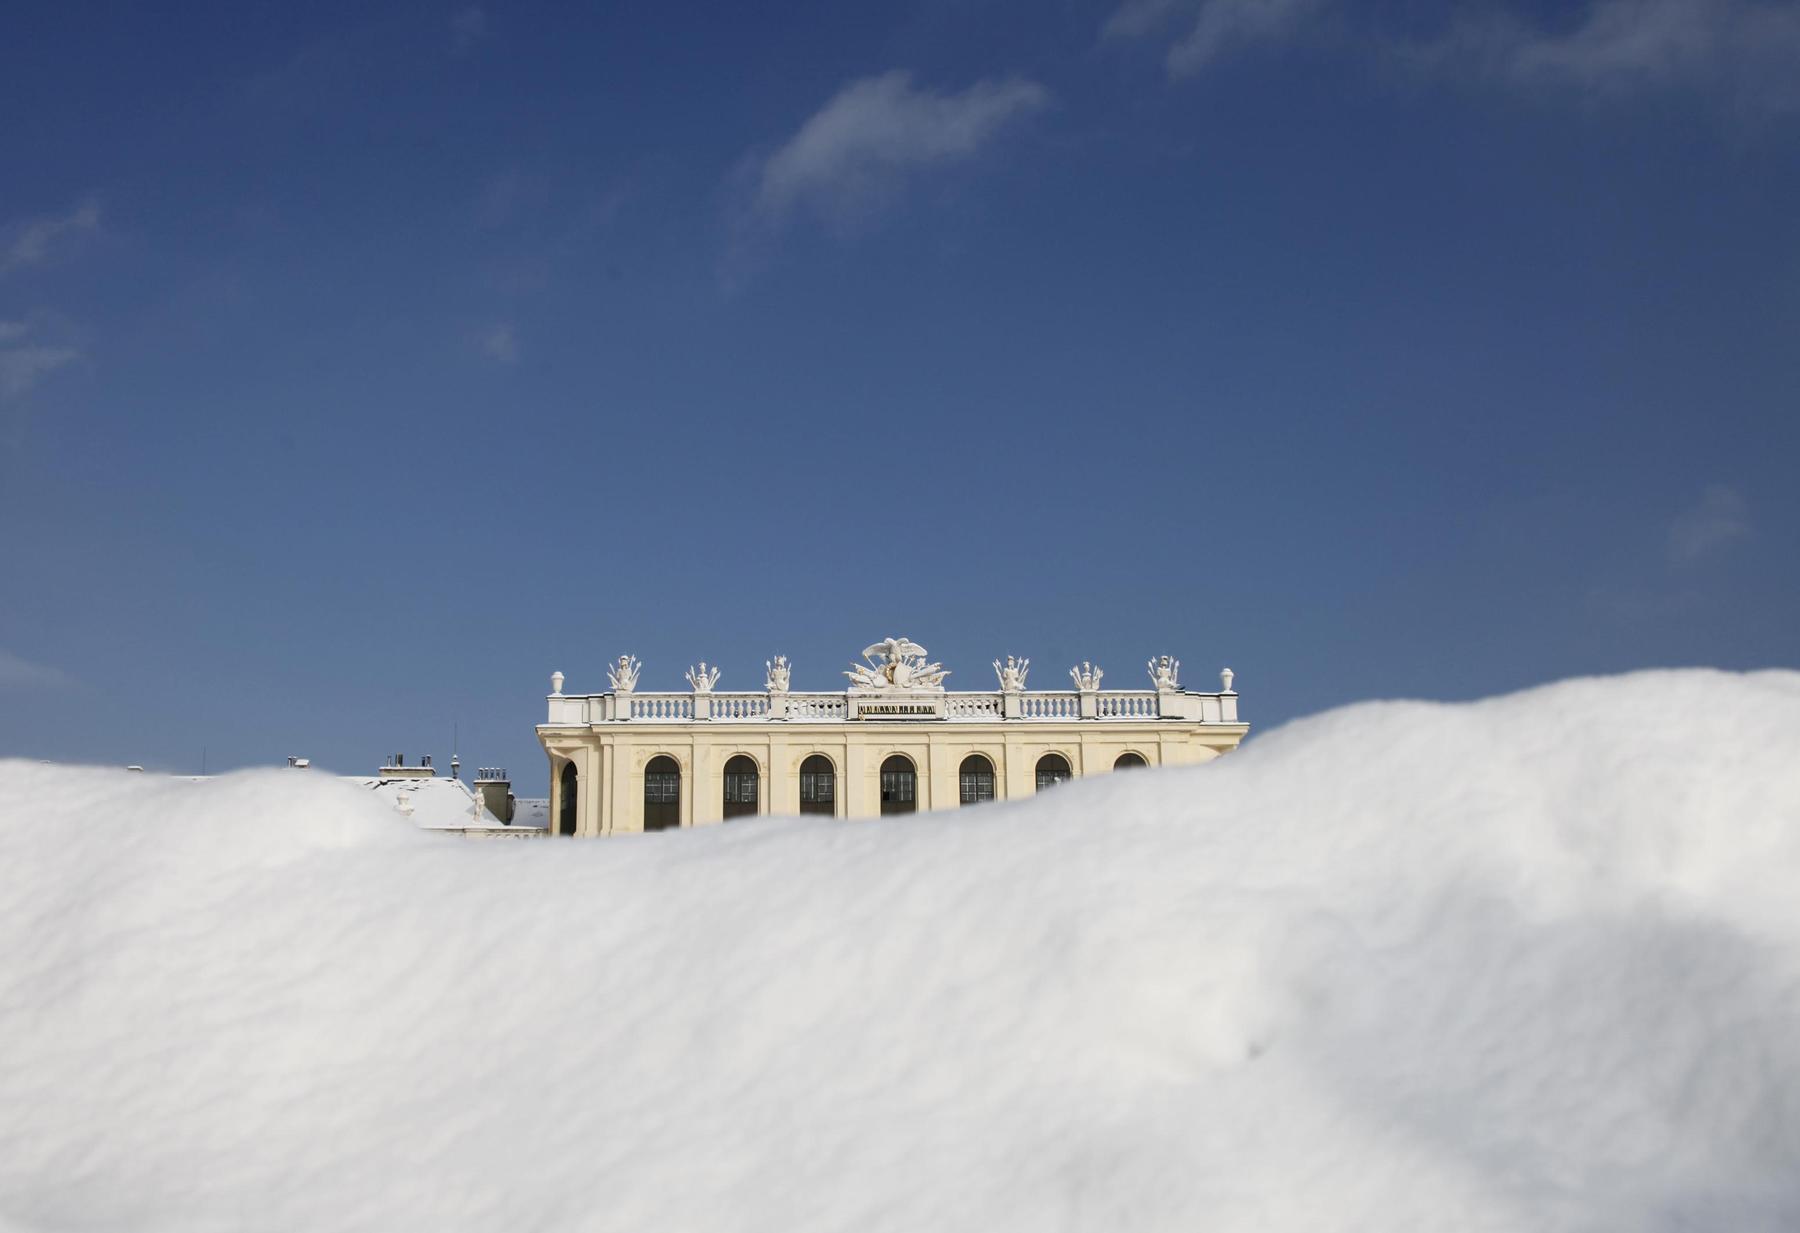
(1526, 964)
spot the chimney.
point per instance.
(397, 769)
(495, 790)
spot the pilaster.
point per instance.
(704, 802)
(779, 781)
(855, 785)
(1020, 774)
(587, 802)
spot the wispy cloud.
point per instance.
(499, 343)
(1747, 51)
(21, 367)
(1744, 50)
(27, 355)
(34, 242)
(468, 26)
(1720, 517)
(860, 147)
(20, 673)
(1212, 27)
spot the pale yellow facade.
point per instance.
(621, 757)
(610, 759)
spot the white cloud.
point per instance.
(1747, 50)
(18, 673)
(1213, 26)
(33, 242)
(500, 344)
(1137, 18)
(860, 146)
(20, 367)
(25, 356)
(468, 27)
(1217, 26)
(1720, 517)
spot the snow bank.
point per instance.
(1532, 963)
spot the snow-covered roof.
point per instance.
(439, 804)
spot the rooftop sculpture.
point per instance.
(624, 676)
(1012, 673)
(897, 663)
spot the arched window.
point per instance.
(1129, 760)
(662, 794)
(1052, 769)
(975, 778)
(818, 786)
(899, 785)
(565, 814)
(740, 787)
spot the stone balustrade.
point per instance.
(1050, 704)
(951, 706)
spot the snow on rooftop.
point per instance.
(1527, 964)
(438, 804)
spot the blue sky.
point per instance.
(359, 367)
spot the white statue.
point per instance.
(1086, 677)
(703, 678)
(901, 665)
(777, 680)
(1225, 678)
(624, 675)
(1012, 673)
(556, 680)
(1165, 673)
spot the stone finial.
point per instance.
(1225, 678)
(556, 680)
(703, 678)
(1086, 677)
(1165, 673)
(778, 671)
(624, 674)
(1012, 674)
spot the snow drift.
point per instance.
(1531, 963)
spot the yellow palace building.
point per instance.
(893, 742)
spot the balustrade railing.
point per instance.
(739, 706)
(1122, 705)
(662, 706)
(1129, 704)
(817, 706)
(1060, 705)
(974, 706)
